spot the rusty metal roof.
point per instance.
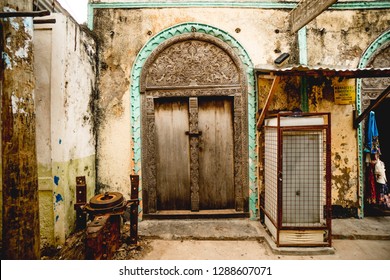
(318, 71)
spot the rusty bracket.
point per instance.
(134, 181)
(81, 200)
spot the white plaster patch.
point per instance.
(12, 21)
(23, 52)
(28, 25)
(8, 9)
(15, 102)
(14, 24)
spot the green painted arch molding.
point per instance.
(135, 109)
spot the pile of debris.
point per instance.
(75, 248)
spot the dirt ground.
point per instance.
(159, 249)
(258, 250)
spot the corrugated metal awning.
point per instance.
(324, 71)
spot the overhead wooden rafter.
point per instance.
(306, 11)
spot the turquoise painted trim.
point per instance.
(142, 56)
(302, 46)
(369, 52)
(361, 5)
(235, 4)
(192, 4)
(90, 16)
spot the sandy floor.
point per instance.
(254, 250)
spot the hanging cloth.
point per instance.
(372, 135)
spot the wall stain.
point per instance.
(56, 180)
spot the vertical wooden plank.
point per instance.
(216, 160)
(172, 148)
(149, 189)
(194, 153)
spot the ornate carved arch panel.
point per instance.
(371, 88)
(193, 66)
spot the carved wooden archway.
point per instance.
(193, 65)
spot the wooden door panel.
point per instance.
(216, 163)
(172, 148)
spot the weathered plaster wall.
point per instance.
(65, 67)
(122, 34)
(68, 150)
(336, 37)
(340, 38)
(344, 162)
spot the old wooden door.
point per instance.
(216, 167)
(173, 167)
(193, 128)
(197, 176)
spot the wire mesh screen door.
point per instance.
(302, 184)
(297, 189)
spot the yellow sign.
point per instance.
(345, 92)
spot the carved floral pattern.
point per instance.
(192, 63)
(373, 87)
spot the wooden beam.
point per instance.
(306, 11)
(372, 106)
(44, 21)
(267, 102)
(24, 14)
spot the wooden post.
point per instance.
(21, 239)
(267, 102)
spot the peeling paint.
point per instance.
(14, 24)
(28, 25)
(23, 52)
(7, 61)
(17, 105)
(56, 180)
(59, 198)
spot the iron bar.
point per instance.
(134, 182)
(81, 200)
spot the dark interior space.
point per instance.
(382, 116)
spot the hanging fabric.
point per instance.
(372, 135)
